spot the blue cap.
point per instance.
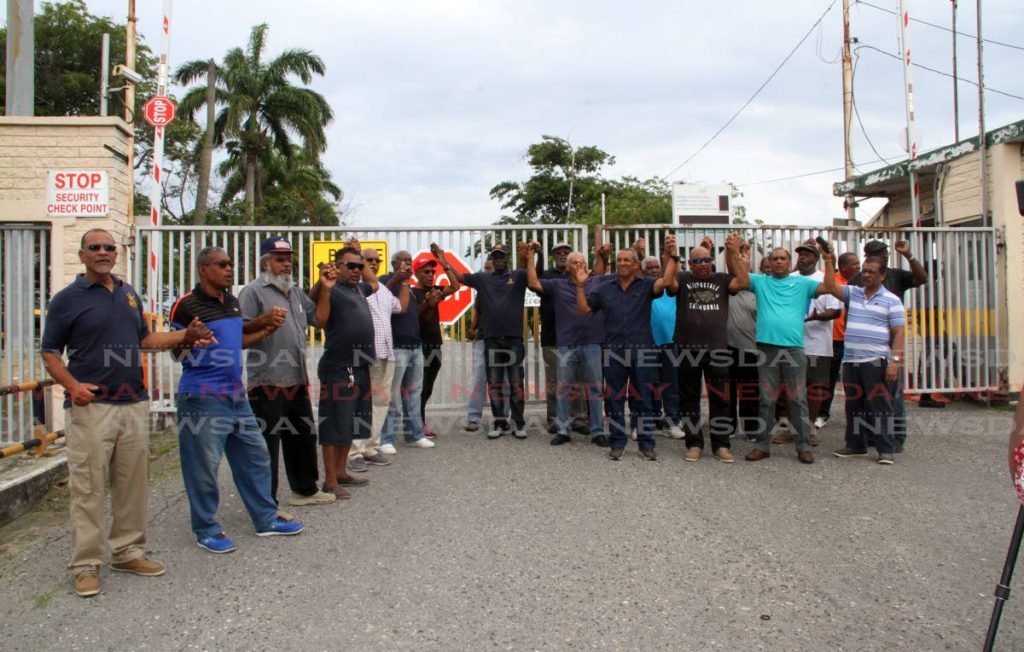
(275, 245)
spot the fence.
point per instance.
(953, 322)
(181, 244)
(24, 252)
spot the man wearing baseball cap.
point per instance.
(278, 380)
(428, 296)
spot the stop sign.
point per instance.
(158, 111)
(456, 305)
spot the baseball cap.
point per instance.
(809, 248)
(561, 245)
(275, 245)
(876, 247)
(425, 259)
(498, 249)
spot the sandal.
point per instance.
(339, 492)
(352, 481)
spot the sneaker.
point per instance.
(358, 464)
(319, 498)
(428, 433)
(388, 449)
(87, 582)
(600, 440)
(693, 454)
(886, 458)
(471, 426)
(495, 434)
(820, 422)
(849, 452)
(784, 438)
(519, 433)
(675, 432)
(724, 455)
(813, 439)
(142, 566)
(616, 453)
(280, 527)
(421, 443)
(376, 460)
(558, 440)
(218, 544)
(751, 438)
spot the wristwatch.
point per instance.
(896, 359)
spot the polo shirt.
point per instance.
(102, 331)
(280, 359)
(663, 319)
(500, 297)
(781, 307)
(627, 313)
(897, 281)
(405, 326)
(548, 313)
(702, 311)
(572, 328)
(870, 322)
(215, 369)
(349, 328)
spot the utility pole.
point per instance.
(129, 113)
(851, 204)
(981, 123)
(21, 79)
(956, 84)
(908, 87)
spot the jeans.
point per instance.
(870, 406)
(899, 426)
(504, 359)
(699, 368)
(404, 407)
(629, 371)
(210, 427)
(431, 368)
(744, 391)
(572, 362)
(838, 346)
(552, 379)
(478, 390)
(665, 401)
(783, 368)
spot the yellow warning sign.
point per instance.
(322, 251)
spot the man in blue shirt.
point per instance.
(665, 400)
(214, 415)
(630, 354)
(782, 302)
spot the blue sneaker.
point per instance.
(281, 527)
(217, 544)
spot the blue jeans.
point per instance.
(630, 372)
(406, 389)
(782, 369)
(210, 427)
(573, 362)
(478, 390)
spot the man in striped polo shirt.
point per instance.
(872, 362)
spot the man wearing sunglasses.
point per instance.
(702, 319)
(428, 296)
(98, 319)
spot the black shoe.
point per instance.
(558, 440)
(600, 440)
(552, 429)
(649, 454)
(582, 428)
(897, 447)
(616, 453)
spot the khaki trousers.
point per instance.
(107, 439)
(382, 372)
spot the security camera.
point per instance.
(130, 75)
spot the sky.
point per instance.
(436, 102)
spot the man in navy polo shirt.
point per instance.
(214, 415)
(99, 320)
(579, 339)
(630, 354)
(500, 297)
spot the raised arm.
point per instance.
(735, 264)
(453, 279)
(532, 280)
(582, 306)
(668, 275)
(829, 285)
(601, 255)
(328, 279)
(916, 268)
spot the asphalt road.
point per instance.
(520, 545)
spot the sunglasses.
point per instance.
(355, 265)
(701, 261)
(109, 248)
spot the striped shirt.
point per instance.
(382, 305)
(870, 322)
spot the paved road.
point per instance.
(519, 545)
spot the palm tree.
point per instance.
(260, 107)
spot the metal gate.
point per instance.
(181, 244)
(953, 322)
(24, 252)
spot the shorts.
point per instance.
(346, 412)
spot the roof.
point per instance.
(886, 180)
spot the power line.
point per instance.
(804, 174)
(942, 27)
(856, 111)
(756, 93)
(940, 72)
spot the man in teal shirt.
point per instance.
(782, 301)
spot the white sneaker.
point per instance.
(298, 500)
(388, 449)
(519, 433)
(820, 422)
(495, 434)
(632, 434)
(422, 443)
(675, 432)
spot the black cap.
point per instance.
(275, 245)
(498, 249)
(810, 249)
(876, 247)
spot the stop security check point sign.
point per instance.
(456, 305)
(77, 193)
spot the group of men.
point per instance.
(649, 335)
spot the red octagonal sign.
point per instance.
(159, 111)
(456, 305)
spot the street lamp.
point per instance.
(572, 169)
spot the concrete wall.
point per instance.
(1007, 167)
(29, 147)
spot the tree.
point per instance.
(260, 107)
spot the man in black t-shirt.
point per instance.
(428, 296)
(702, 317)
